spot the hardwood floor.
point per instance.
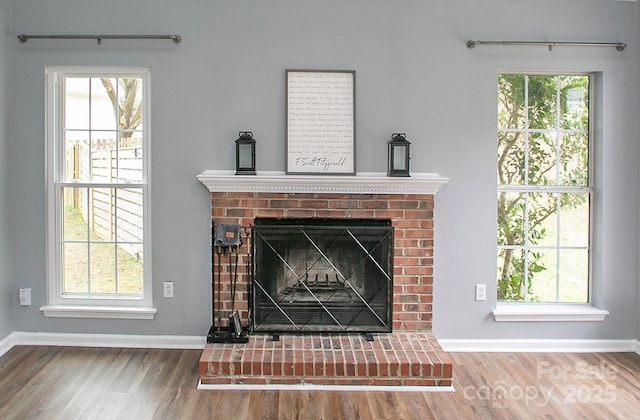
(105, 383)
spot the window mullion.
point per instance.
(526, 131)
(558, 133)
(90, 129)
(114, 191)
(118, 129)
(558, 144)
(525, 235)
(558, 224)
(526, 249)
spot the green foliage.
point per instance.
(543, 126)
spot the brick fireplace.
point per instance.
(408, 203)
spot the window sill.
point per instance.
(547, 312)
(102, 312)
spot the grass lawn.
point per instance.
(112, 270)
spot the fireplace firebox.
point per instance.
(322, 275)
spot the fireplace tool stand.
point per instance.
(227, 241)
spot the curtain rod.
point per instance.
(620, 46)
(175, 38)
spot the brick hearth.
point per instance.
(401, 358)
(408, 356)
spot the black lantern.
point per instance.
(245, 154)
(398, 151)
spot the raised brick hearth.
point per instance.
(409, 355)
(402, 358)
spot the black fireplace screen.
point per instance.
(322, 275)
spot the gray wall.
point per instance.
(6, 317)
(414, 74)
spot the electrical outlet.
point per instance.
(25, 296)
(481, 292)
(168, 289)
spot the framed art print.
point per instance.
(320, 122)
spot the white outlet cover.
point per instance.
(168, 289)
(25, 296)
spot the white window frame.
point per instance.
(558, 311)
(67, 306)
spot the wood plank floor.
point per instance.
(106, 383)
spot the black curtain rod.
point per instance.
(620, 46)
(175, 38)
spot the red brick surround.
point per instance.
(411, 215)
(408, 356)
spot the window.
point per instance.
(98, 213)
(544, 188)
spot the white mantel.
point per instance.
(362, 183)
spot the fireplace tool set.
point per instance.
(227, 242)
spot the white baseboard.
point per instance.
(105, 340)
(540, 345)
(198, 342)
(7, 343)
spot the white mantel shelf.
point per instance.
(362, 183)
